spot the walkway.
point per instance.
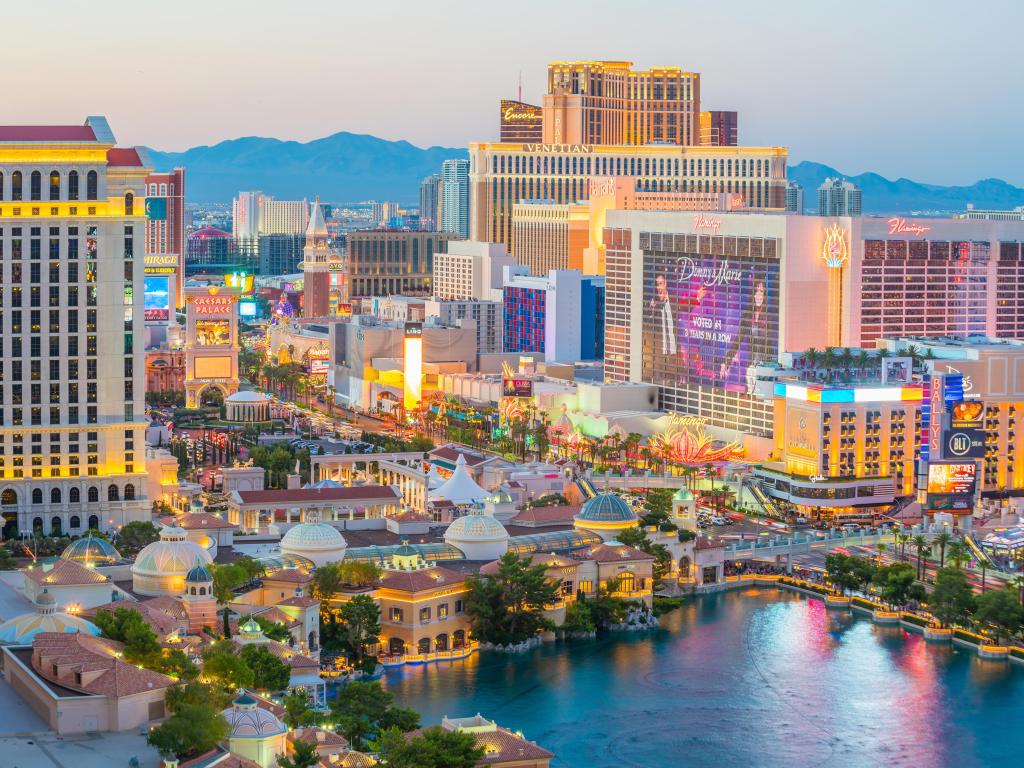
(785, 546)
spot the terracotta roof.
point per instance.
(46, 133)
(560, 514)
(411, 516)
(419, 579)
(291, 576)
(192, 521)
(64, 573)
(501, 745)
(448, 453)
(88, 664)
(284, 653)
(277, 615)
(300, 602)
(161, 618)
(320, 737)
(124, 157)
(703, 542)
(603, 553)
(551, 560)
(284, 495)
(353, 759)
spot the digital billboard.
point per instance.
(213, 333)
(318, 367)
(247, 309)
(710, 318)
(951, 486)
(517, 388)
(156, 294)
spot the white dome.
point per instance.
(161, 566)
(247, 397)
(320, 542)
(249, 721)
(477, 536)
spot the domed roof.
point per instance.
(21, 629)
(247, 721)
(606, 508)
(172, 555)
(475, 526)
(683, 494)
(204, 233)
(247, 397)
(91, 551)
(198, 574)
(326, 483)
(312, 537)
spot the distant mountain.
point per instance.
(347, 167)
(880, 195)
(344, 167)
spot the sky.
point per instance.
(928, 90)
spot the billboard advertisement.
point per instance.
(516, 388)
(156, 294)
(951, 485)
(318, 367)
(156, 208)
(965, 437)
(710, 320)
(802, 432)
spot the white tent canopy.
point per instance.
(460, 488)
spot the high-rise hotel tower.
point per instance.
(72, 234)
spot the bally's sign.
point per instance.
(565, 149)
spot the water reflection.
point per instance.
(754, 678)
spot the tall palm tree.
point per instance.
(958, 554)
(828, 361)
(920, 543)
(846, 357)
(903, 539)
(863, 359)
(1018, 583)
(811, 357)
(943, 540)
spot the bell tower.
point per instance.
(200, 604)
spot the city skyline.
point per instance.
(853, 99)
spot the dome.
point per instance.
(21, 629)
(161, 566)
(247, 721)
(92, 551)
(606, 508)
(320, 542)
(478, 536)
(683, 494)
(205, 233)
(247, 397)
(198, 574)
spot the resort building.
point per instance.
(502, 748)
(382, 262)
(304, 670)
(160, 568)
(71, 584)
(606, 515)
(20, 630)
(316, 541)
(253, 511)
(470, 270)
(255, 732)
(613, 564)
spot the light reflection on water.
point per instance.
(755, 678)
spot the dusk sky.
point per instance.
(930, 90)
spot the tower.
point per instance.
(319, 267)
(200, 604)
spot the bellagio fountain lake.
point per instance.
(758, 677)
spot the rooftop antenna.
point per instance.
(520, 85)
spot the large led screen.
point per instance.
(709, 319)
(952, 478)
(156, 294)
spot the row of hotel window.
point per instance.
(17, 417)
(15, 191)
(630, 166)
(397, 615)
(53, 244)
(10, 498)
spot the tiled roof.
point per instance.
(295, 495)
(449, 454)
(46, 133)
(501, 745)
(419, 579)
(64, 573)
(290, 575)
(284, 653)
(161, 617)
(320, 737)
(603, 553)
(703, 542)
(551, 560)
(192, 521)
(560, 514)
(300, 602)
(353, 759)
(124, 157)
(88, 664)
(278, 616)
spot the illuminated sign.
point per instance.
(571, 149)
(212, 305)
(516, 388)
(161, 270)
(156, 208)
(413, 329)
(702, 222)
(318, 367)
(956, 478)
(239, 280)
(247, 308)
(518, 112)
(818, 394)
(156, 295)
(937, 404)
(834, 251)
(160, 260)
(899, 226)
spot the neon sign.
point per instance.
(212, 305)
(834, 251)
(572, 149)
(899, 226)
(702, 222)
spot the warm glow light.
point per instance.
(413, 371)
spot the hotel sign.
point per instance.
(212, 305)
(567, 149)
(899, 226)
(703, 222)
(518, 112)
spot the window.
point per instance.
(91, 186)
(424, 615)
(37, 495)
(397, 615)
(112, 493)
(36, 185)
(55, 495)
(129, 492)
(129, 204)
(16, 185)
(54, 185)
(94, 495)
(73, 185)
(74, 496)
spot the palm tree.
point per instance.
(943, 540)
(863, 358)
(1018, 583)
(828, 361)
(846, 357)
(811, 357)
(920, 543)
(881, 546)
(903, 539)
(958, 554)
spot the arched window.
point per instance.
(36, 186)
(94, 523)
(37, 525)
(37, 495)
(54, 185)
(16, 195)
(73, 185)
(129, 492)
(55, 495)
(94, 494)
(112, 494)
(74, 495)
(90, 185)
(129, 204)
(76, 522)
(8, 498)
(55, 526)
(1, 185)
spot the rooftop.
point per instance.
(89, 665)
(64, 573)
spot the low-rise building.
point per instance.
(73, 585)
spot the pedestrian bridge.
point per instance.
(802, 543)
(643, 480)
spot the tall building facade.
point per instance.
(455, 197)
(381, 211)
(502, 175)
(470, 269)
(245, 215)
(254, 214)
(719, 128)
(486, 314)
(550, 236)
(388, 262)
(277, 254)
(520, 123)
(430, 202)
(321, 268)
(838, 197)
(794, 198)
(559, 315)
(608, 102)
(165, 227)
(72, 241)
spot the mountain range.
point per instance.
(347, 167)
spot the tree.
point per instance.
(897, 585)
(637, 537)
(920, 543)
(952, 600)
(304, 755)
(269, 673)
(362, 710)
(361, 619)
(176, 663)
(508, 606)
(943, 540)
(226, 579)
(223, 667)
(296, 709)
(844, 571)
(137, 534)
(127, 626)
(193, 693)
(272, 629)
(1000, 609)
(1017, 582)
(433, 748)
(192, 730)
(578, 618)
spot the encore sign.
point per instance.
(212, 305)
